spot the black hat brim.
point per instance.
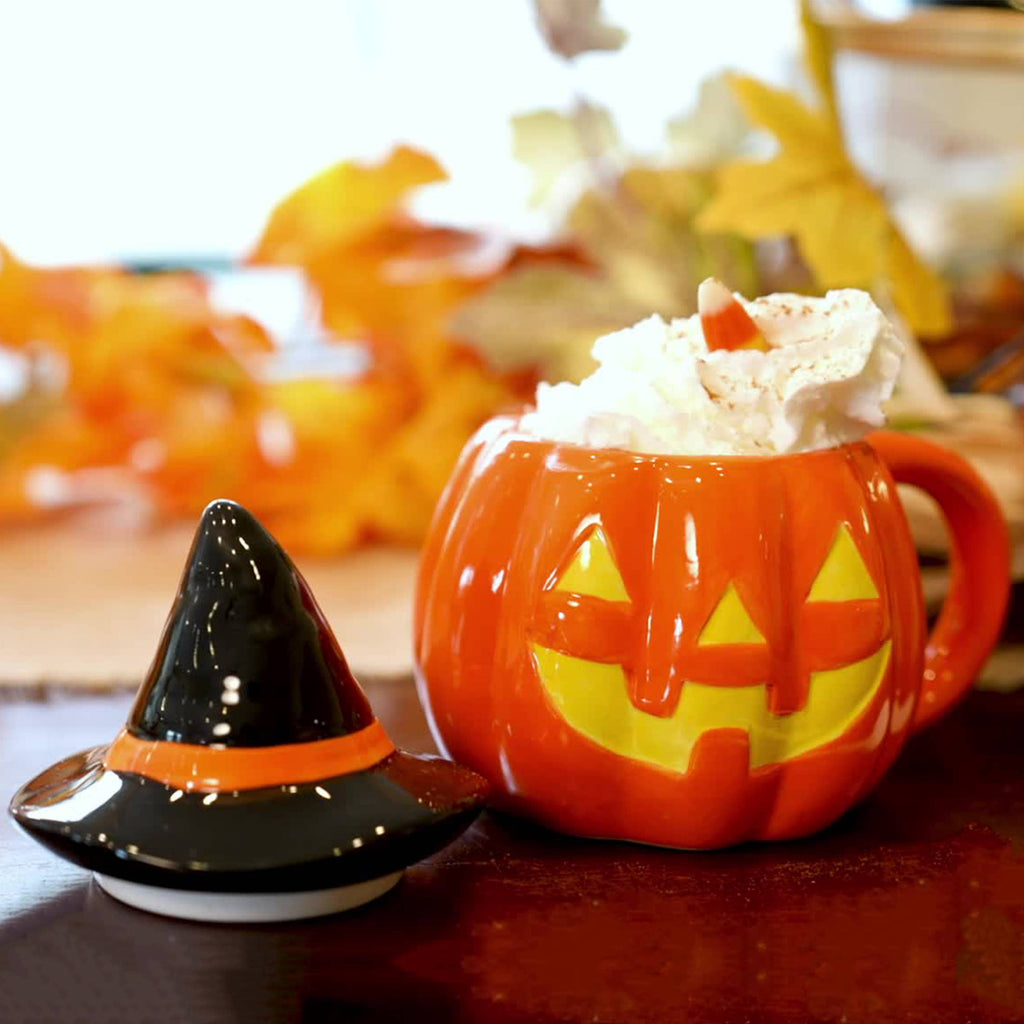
(292, 838)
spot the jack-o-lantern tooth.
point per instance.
(726, 324)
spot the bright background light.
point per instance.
(141, 130)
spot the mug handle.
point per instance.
(972, 616)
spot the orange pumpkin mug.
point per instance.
(695, 651)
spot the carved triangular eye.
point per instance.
(593, 571)
(730, 622)
(843, 576)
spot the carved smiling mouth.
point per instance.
(593, 698)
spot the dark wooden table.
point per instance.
(910, 909)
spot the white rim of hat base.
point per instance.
(245, 907)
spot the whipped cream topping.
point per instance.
(830, 365)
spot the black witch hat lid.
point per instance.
(252, 780)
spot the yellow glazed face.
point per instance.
(594, 697)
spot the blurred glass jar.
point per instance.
(932, 100)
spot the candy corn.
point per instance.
(725, 322)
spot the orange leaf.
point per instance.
(342, 203)
(166, 395)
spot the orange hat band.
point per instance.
(193, 768)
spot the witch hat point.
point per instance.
(247, 657)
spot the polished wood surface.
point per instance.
(910, 909)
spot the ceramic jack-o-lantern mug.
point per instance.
(695, 651)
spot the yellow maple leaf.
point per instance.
(812, 190)
(819, 50)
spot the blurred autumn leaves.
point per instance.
(140, 386)
(374, 453)
(811, 191)
(650, 229)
